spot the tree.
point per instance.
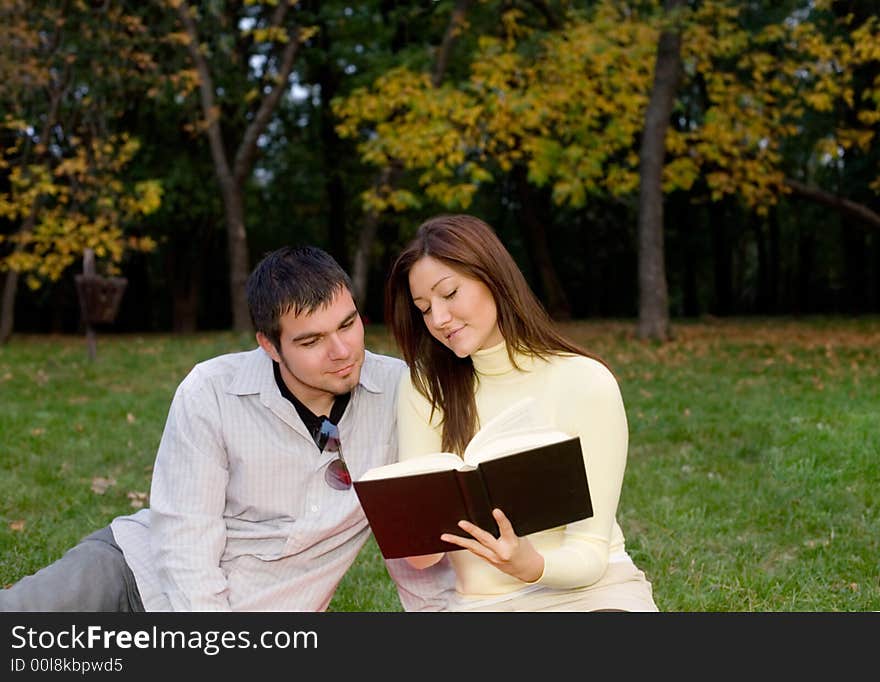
(66, 66)
(653, 320)
(387, 175)
(261, 41)
(524, 89)
(571, 104)
(79, 203)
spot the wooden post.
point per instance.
(91, 336)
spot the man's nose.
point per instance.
(338, 348)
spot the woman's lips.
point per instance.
(453, 333)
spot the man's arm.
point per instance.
(428, 589)
(187, 501)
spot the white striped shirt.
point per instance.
(240, 516)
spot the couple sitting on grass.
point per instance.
(251, 501)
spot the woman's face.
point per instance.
(458, 310)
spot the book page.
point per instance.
(515, 428)
(515, 442)
(521, 416)
(436, 461)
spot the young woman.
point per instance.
(476, 340)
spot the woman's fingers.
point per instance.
(483, 536)
(469, 544)
(504, 524)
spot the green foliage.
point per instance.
(81, 203)
(66, 70)
(752, 482)
(571, 104)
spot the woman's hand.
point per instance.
(514, 555)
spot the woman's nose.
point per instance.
(440, 315)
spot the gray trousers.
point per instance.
(92, 576)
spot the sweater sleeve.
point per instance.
(591, 407)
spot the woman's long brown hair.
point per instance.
(469, 246)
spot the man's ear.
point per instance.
(268, 346)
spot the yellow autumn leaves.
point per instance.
(79, 203)
(570, 104)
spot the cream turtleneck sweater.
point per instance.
(576, 394)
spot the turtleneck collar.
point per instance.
(494, 361)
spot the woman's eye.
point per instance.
(425, 311)
(451, 294)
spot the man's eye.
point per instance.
(309, 344)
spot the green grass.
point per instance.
(753, 481)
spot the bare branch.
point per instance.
(860, 212)
(206, 92)
(244, 157)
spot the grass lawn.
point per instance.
(753, 481)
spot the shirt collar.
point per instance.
(370, 373)
(254, 375)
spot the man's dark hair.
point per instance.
(301, 279)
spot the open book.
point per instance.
(532, 472)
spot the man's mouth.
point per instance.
(344, 370)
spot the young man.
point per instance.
(251, 504)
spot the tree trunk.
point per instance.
(874, 291)
(774, 259)
(762, 295)
(690, 257)
(553, 292)
(10, 289)
(855, 274)
(239, 257)
(653, 293)
(186, 286)
(364, 250)
(7, 312)
(232, 177)
(362, 258)
(806, 249)
(722, 260)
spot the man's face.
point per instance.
(321, 354)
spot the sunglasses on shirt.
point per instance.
(336, 475)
